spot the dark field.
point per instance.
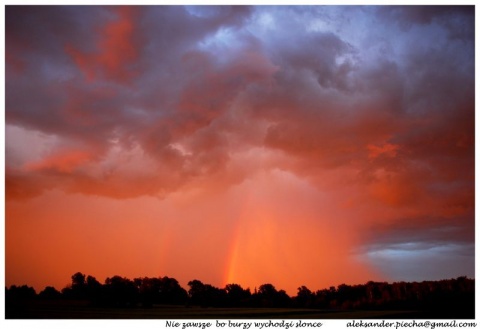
(79, 310)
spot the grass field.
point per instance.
(52, 310)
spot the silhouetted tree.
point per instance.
(282, 299)
(20, 293)
(120, 292)
(206, 295)
(171, 292)
(94, 291)
(149, 290)
(270, 297)
(77, 289)
(17, 299)
(304, 298)
(160, 291)
(50, 293)
(78, 280)
(236, 295)
(196, 292)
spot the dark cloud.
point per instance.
(183, 87)
(425, 230)
(457, 19)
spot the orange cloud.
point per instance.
(116, 51)
(385, 149)
(63, 162)
(117, 46)
(394, 190)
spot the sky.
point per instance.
(291, 145)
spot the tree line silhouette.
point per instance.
(453, 296)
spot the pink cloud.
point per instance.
(65, 162)
(117, 49)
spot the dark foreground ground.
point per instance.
(78, 310)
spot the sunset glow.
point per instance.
(288, 145)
